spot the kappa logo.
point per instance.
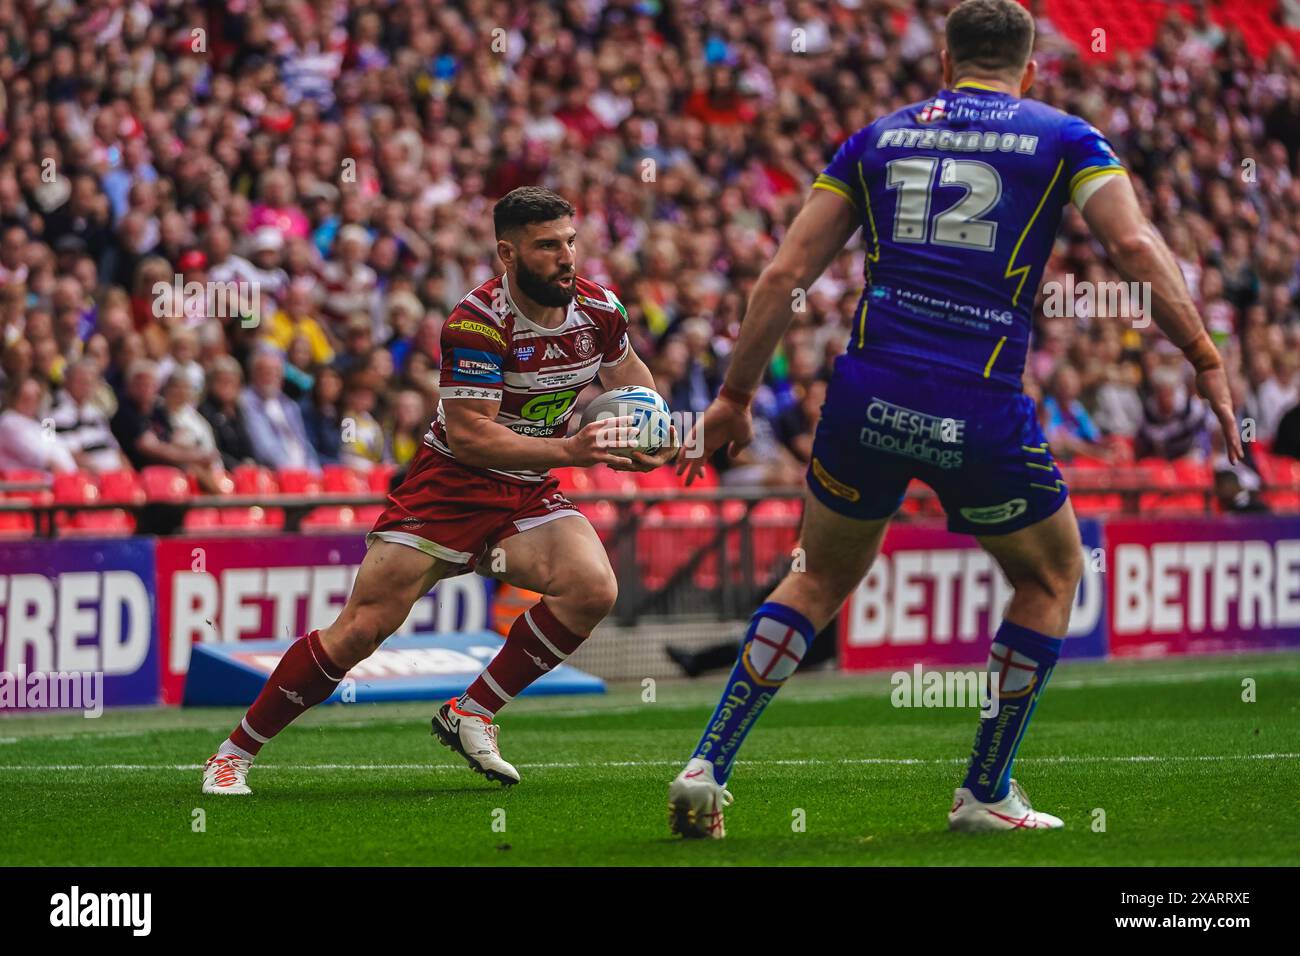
(293, 695)
(996, 514)
(553, 351)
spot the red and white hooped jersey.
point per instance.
(491, 350)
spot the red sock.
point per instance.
(304, 677)
(537, 643)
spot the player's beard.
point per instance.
(541, 291)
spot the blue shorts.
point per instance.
(978, 445)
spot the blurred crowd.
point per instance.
(340, 160)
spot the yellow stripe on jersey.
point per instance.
(1023, 271)
(831, 184)
(1092, 172)
(1088, 181)
(994, 357)
(976, 86)
(873, 255)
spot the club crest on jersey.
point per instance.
(524, 352)
(933, 112)
(585, 344)
(553, 351)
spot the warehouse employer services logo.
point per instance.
(76, 909)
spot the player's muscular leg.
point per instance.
(838, 552)
(1044, 563)
(392, 577)
(564, 561)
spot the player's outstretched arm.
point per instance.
(1139, 254)
(476, 439)
(820, 231)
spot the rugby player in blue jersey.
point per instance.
(958, 199)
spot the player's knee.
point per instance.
(589, 593)
(358, 633)
(1068, 571)
(1055, 581)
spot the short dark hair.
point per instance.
(527, 205)
(990, 35)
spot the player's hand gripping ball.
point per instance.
(648, 411)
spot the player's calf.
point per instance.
(305, 676)
(538, 642)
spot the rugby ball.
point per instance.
(649, 412)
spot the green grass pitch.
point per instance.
(1185, 771)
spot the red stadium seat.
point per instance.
(121, 487)
(201, 519)
(603, 517)
(613, 482)
(78, 488)
(165, 484)
(574, 480)
(380, 477)
(254, 518)
(367, 515)
(339, 479)
(22, 524)
(255, 480)
(297, 481)
(330, 518)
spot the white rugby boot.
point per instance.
(474, 738)
(696, 801)
(226, 774)
(1012, 812)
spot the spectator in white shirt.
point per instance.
(191, 431)
(82, 425)
(27, 442)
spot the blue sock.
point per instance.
(1021, 661)
(775, 643)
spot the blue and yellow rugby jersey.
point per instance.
(960, 197)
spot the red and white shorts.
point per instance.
(458, 514)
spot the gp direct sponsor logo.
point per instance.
(902, 431)
(478, 328)
(548, 409)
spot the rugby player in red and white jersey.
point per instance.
(516, 353)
